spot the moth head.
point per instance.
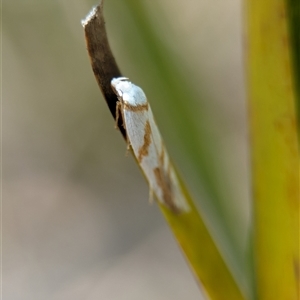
(128, 92)
(120, 85)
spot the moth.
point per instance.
(146, 142)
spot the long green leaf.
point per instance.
(275, 155)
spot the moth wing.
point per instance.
(145, 142)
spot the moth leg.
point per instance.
(118, 109)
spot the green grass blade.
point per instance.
(202, 253)
(275, 156)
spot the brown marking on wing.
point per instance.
(135, 108)
(143, 151)
(163, 181)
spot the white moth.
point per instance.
(145, 139)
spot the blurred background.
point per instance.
(77, 223)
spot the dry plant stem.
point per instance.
(102, 61)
